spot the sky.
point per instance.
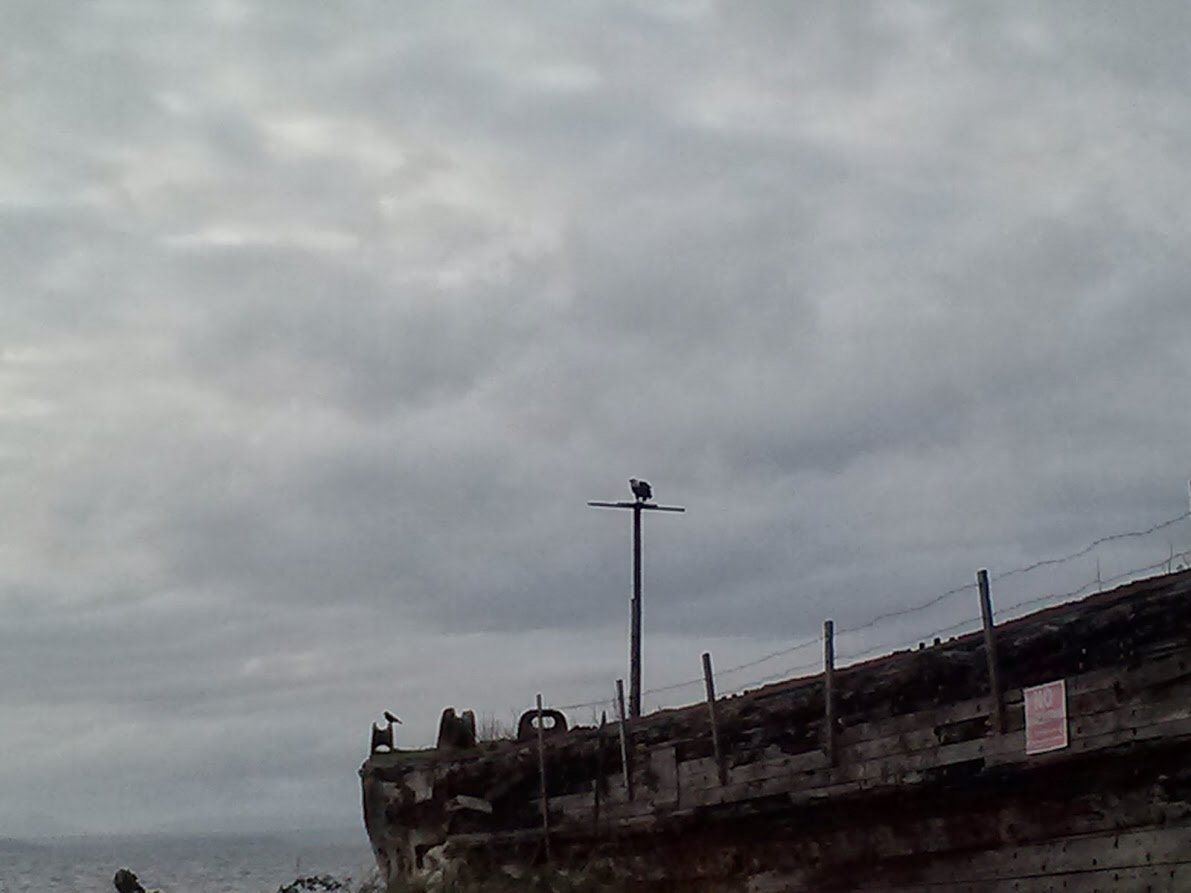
(320, 323)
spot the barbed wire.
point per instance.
(786, 673)
(604, 703)
(686, 683)
(790, 672)
(913, 609)
(805, 643)
(1048, 562)
(1099, 581)
(610, 703)
(972, 621)
(919, 639)
(1055, 598)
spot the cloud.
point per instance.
(321, 326)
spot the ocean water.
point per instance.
(206, 864)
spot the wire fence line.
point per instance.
(973, 623)
(1088, 549)
(1171, 562)
(1184, 558)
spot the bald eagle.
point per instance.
(641, 489)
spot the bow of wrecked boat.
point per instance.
(1058, 748)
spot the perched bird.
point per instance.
(641, 489)
(392, 717)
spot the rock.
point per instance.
(126, 882)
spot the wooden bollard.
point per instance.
(542, 779)
(709, 684)
(990, 651)
(829, 721)
(624, 739)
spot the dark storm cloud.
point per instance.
(321, 324)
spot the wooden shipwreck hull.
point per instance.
(923, 792)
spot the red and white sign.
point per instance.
(1046, 717)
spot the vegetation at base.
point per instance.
(317, 883)
(463, 879)
(539, 881)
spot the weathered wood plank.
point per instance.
(1170, 878)
(1131, 849)
(1093, 685)
(1098, 731)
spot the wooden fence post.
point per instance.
(990, 651)
(542, 779)
(829, 722)
(709, 684)
(624, 739)
(598, 787)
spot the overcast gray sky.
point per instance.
(320, 323)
